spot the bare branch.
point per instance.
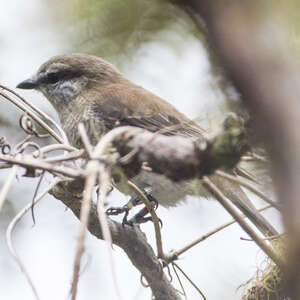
(130, 239)
(176, 157)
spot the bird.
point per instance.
(86, 89)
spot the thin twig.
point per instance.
(41, 113)
(104, 188)
(34, 117)
(110, 136)
(90, 182)
(249, 187)
(34, 195)
(247, 158)
(104, 181)
(30, 144)
(55, 147)
(189, 279)
(244, 173)
(180, 283)
(274, 237)
(175, 254)
(25, 140)
(224, 202)
(65, 157)
(85, 140)
(7, 185)
(5, 166)
(11, 228)
(38, 164)
(259, 157)
(142, 197)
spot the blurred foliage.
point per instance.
(113, 29)
(290, 11)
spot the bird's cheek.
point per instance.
(61, 93)
(68, 90)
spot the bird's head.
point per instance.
(62, 78)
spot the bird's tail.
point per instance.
(234, 192)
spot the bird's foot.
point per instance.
(114, 211)
(141, 218)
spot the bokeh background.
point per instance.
(157, 46)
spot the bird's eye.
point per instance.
(52, 77)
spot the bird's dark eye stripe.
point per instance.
(52, 77)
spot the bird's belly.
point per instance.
(165, 191)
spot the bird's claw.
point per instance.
(114, 211)
(125, 221)
(139, 218)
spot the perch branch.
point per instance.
(130, 239)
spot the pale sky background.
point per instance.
(218, 265)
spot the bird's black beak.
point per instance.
(28, 84)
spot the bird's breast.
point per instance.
(94, 127)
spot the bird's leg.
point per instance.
(139, 218)
(113, 211)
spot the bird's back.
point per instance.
(126, 104)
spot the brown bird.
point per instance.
(87, 89)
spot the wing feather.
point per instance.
(134, 106)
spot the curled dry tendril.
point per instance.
(4, 146)
(29, 127)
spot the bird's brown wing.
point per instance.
(134, 106)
